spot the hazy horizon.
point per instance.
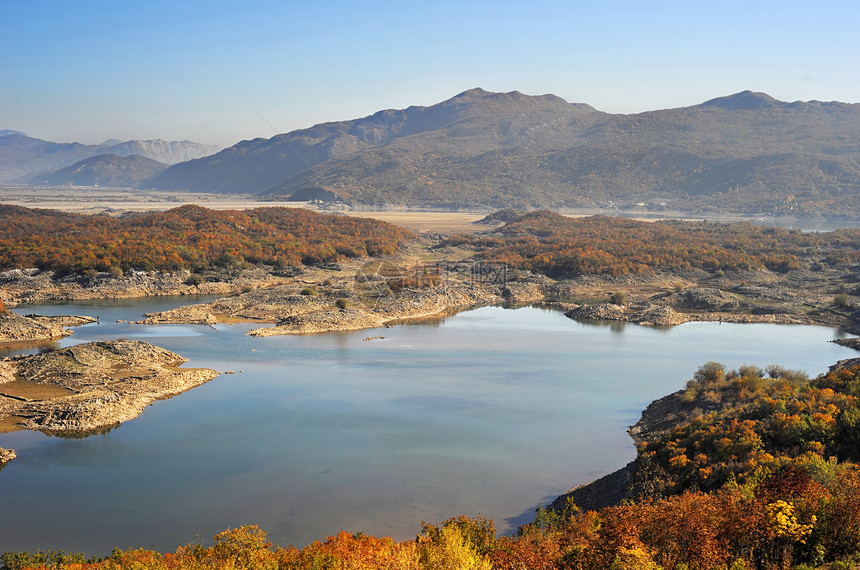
(217, 73)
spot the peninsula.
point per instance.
(89, 387)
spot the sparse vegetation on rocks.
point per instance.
(90, 386)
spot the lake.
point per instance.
(492, 411)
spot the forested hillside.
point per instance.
(189, 237)
(559, 246)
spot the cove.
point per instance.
(491, 411)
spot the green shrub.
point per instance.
(18, 560)
(194, 279)
(841, 301)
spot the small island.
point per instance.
(89, 387)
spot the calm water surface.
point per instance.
(492, 411)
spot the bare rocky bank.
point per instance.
(90, 387)
(356, 295)
(32, 328)
(424, 282)
(33, 286)
(427, 279)
(344, 298)
(6, 455)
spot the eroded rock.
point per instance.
(6, 455)
(598, 312)
(19, 328)
(90, 386)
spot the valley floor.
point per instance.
(114, 201)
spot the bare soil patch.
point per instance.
(90, 386)
(427, 222)
(32, 390)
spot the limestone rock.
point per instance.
(17, 328)
(6, 455)
(599, 312)
(91, 386)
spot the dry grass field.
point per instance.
(115, 201)
(87, 200)
(428, 222)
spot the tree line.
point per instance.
(558, 246)
(189, 237)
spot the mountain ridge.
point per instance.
(303, 149)
(746, 152)
(743, 153)
(22, 156)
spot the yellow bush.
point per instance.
(451, 551)
(783, 522)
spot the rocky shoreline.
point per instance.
(6, 455)
(84, 389)
(19, 286)
(290, 311)
(337, 300)
(15, 328)
(91, 387)
(427, 280)
(362, 294)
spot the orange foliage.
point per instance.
(779, 421)
(188, 237)
(548, 243)
(731, 526)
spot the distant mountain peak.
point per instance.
(744, 101)
(746, 152)
(506, 101)
(22, 156)
(167, 152)
(475, 92)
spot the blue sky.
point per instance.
(218, 72)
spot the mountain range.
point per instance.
(22, 156)
(744, 153)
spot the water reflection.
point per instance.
(491, 411)
(27, 347)
(81, 434)
(614, 326)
